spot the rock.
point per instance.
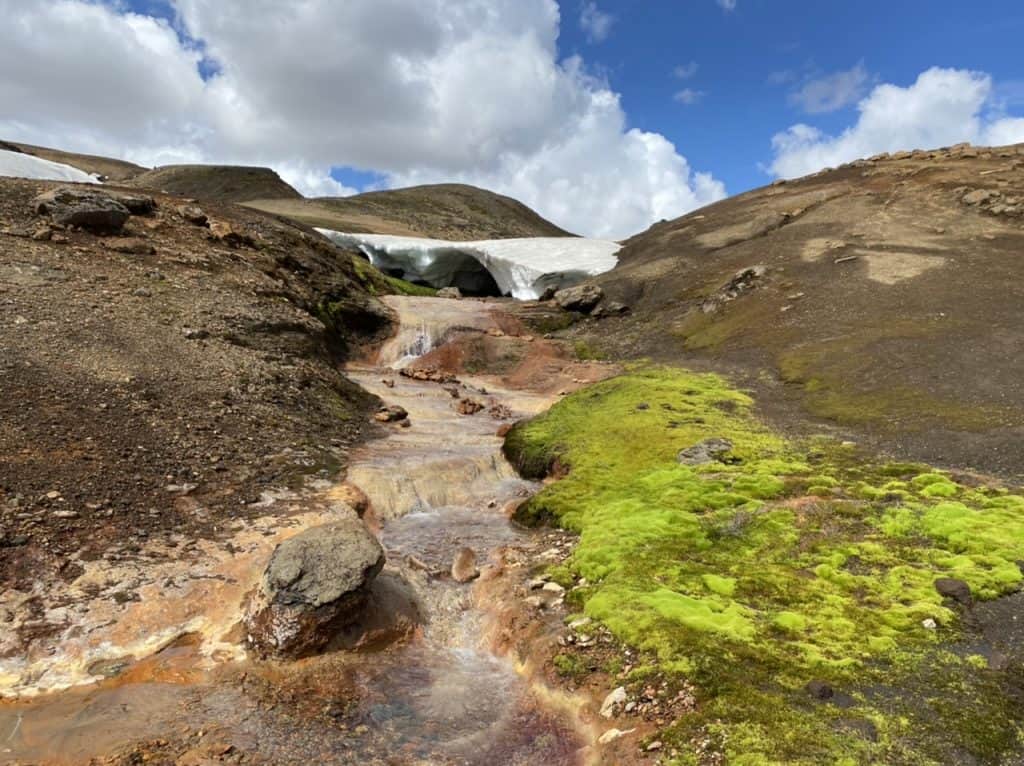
(581, 298)
(548, 294)
(468, 406)
(391, 414)
(193, 214)
(979, 196)
(314, 584)
(42, 234)
(615, 698)
(227, 234)
(129, 246)
(392, 613)
(464, 567)
(706, 451)
(450, 292)
(819, 690)
(958, 590)
(654, 746)
(929, 624)
(137, 204)
(553, 587)
(352, 496)
(86, 208)
(613, 734)
(612, 308)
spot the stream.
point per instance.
(445, 696)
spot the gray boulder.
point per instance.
(315, 584)
(86, 208)
(581, 298)
(707, 451)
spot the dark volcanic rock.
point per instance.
(314, 585)
(958, 590)
(87, 208)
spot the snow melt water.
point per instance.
(20, 165)
(523, 268)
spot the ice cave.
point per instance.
(522, 268)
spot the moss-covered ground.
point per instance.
(379, 283)
(780, 564)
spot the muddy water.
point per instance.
(442, 698)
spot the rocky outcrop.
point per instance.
(314, 585)
(83, 207)
(581, 298)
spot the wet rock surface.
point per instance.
(315, 584)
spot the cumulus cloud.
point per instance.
(831, 92)
(594, 22)
(942, 107)
(412, 89)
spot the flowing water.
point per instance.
(443, 697)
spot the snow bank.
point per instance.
(522, 268)
(21, 165)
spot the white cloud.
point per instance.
(685, 71)
(728, 5)
(688, 96)
(833, 91)
(942, 107)
(594, 22)
(413, 89)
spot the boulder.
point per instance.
(314, 585)
(193, 214)
(707, 451)
(85, 207)
(464, 567)
(450, 292)
(581, 298)
(137, 204)
(468, 406)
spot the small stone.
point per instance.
(391, 414)
(707, 451)
(464, 567)
(536, 583)
(142, 292)
(129, 246)
(613, 734)
(42, 234)
(958, 590)
(66, 514)
(452, 293)
(553, 587)
(614, 699)
(929, 624)
(52, 495)
(193, 214)
(654, 746)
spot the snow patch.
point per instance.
(18, 165)
(523, 268)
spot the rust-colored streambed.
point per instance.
(442, 697)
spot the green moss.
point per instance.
(378, 283)
(585, 350)
(570, 666)
(730, 572)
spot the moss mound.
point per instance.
(779, 564)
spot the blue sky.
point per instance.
(743, 54)
(603, 115)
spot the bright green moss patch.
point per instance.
(379, 283)
(784, 563)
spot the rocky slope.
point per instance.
(440, 211)
(161, 373)
(882, 297)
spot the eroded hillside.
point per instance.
(883, 297)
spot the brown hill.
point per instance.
(883, 297)
(113, 170)
(221, 183)
(443, 211)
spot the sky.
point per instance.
(603, 115)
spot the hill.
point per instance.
(110, 169)
(439, 211)
(222, 183)
(882, 297)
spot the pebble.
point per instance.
(929, 624)
(553, 587)
(656, 745)
(615, 698)
(613, 734)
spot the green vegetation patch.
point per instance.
(774, 565)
